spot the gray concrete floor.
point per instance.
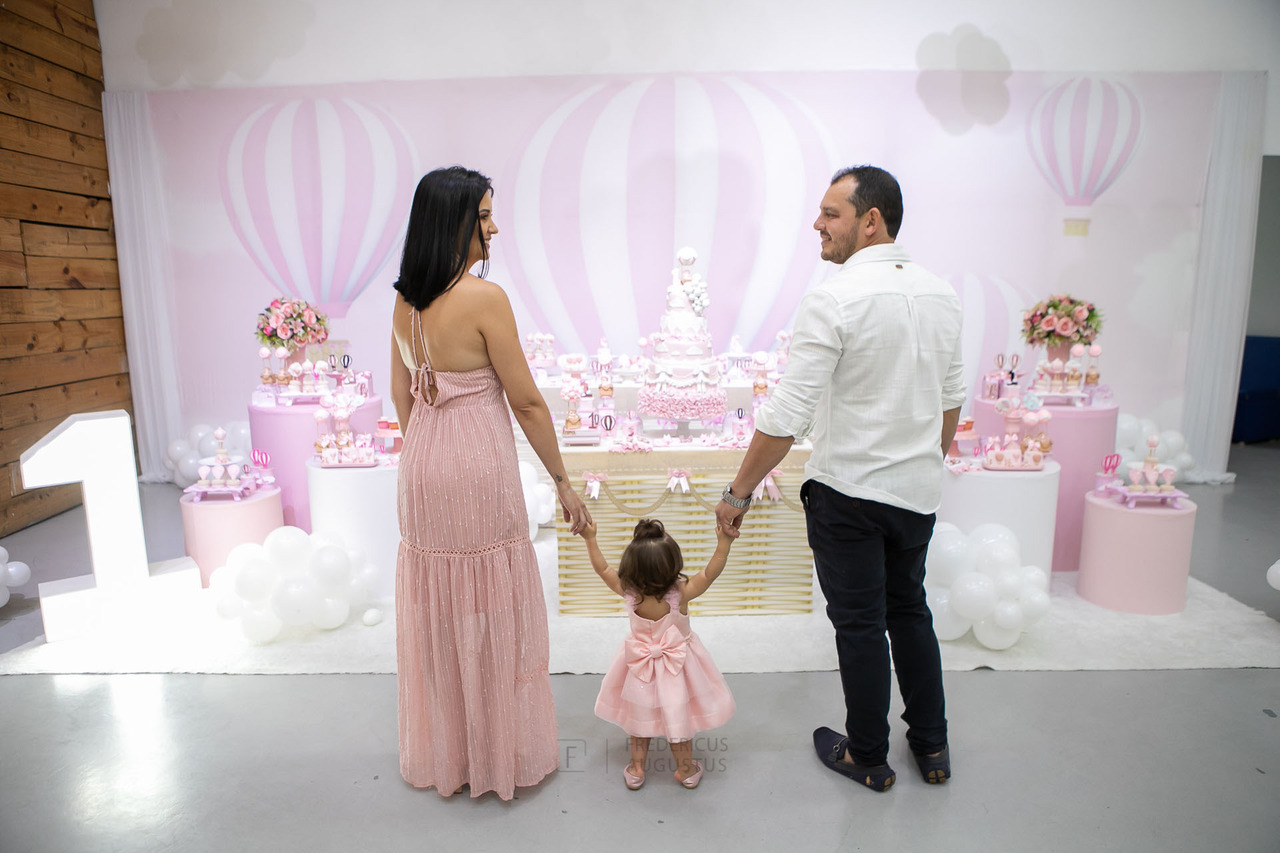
(1135, 761)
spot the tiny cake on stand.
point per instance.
(682, 382)
(1021, 448)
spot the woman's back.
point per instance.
(449, 328)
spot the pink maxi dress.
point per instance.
(663, 682)
(472, 650)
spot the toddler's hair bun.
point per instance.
(648, 528)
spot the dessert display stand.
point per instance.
(1023, 501)
(1136, 560)
(213, 527)
(288, 434)
(359, 504)
(1081, 435)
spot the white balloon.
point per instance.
(372, 616)
(1148, 428)
(1128, 431)
(239, 437)
(533, 527)
(997, 557)
(357, 558)
(244, 553)
(1175, 441)
(544, 502)
(993, 636)
(943, 525)
(948, 625)
(528, 474)
(1273, 575)
(261, 626)
(1035, 576)
(288, 547)
(255, 579)
(1009, 583)
(16, 574)
(1035, 604)
(973, 595)
(1128, 457)
(1162, 452)
(4, 595)
(231, 606)
(4, 555)
(208, 445)
(198, 432)
(949, 557)
(985, 534)
(296, 600)
(1008, 615)
(331, 613)
(357, 589)
(321, 538)
(188, 465)
(1184, 461)
(331, 567)
(178, 448)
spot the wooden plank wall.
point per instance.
(62, 347)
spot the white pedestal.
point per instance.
(359, 504)
(1026, 502)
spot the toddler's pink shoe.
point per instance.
(692, 781)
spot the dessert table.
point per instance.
(1081, 436)
(288, 433)
(1026, 502)
(212, 527)
(771, 568)
(359, 505)
(1136, 560)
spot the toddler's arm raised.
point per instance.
(608, 575)
(699, 583)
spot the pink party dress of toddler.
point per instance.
(663, 682)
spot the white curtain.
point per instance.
(142, 243)
(1220, 304)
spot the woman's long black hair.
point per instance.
(444, 216)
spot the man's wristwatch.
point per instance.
(736, 503)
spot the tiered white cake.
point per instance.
(683, 379)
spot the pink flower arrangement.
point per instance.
(291, 323)
(1061, 319)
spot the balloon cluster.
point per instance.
(292, 579)
(539, 498)
(184, 454)
(978, 581)
(1131, 443)
(12, 575)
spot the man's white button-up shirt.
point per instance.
(874, 362)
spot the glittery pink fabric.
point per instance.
(472, 651)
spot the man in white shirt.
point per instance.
(875, 377)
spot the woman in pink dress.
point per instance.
(472, 650)
(663, 682)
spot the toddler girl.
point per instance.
(662, 683)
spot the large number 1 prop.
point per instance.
(96, 450)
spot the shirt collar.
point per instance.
(877, 253)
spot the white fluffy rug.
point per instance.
(1215, 631)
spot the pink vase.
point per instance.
(1058, 352)
(296, 357)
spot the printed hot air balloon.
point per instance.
(622, 174)
(318, 192)
(1082, 134)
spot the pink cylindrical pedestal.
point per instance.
(1136, 560)
(1081, 437)
(214, 526)
(288, 433)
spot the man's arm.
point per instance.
(950, 419)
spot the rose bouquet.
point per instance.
(291, 323)
(1061, 320)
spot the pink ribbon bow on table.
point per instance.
(768, 485)
(643, 657)
(678, 478)
(593, 484)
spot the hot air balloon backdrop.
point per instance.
(1082, 134)
(618, 176)
(318, 192)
